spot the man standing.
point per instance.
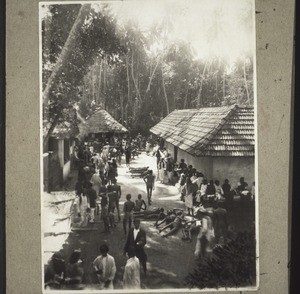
(128, 209)
(220, 223)
(105, 268)
(114, 187)
(137, 239)
(112, 203)
(91, 196)
(149, 179)
(131, 277)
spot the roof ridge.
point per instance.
(212, 134)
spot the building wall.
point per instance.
(219, 168)
(66, 170)
(233, 168)
(61, 152)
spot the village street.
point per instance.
(107, 91)
(164, 254)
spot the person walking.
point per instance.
(105, 268)
(205, 238)
(127, 155)
(149, 179)
(220, 223)
(114, 187)
(104, 212)
(131, 277)
(137, 239)
(189, 196)
(161, 170)
(112, 203)
(92, 197)
(96, 182)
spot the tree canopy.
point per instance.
(138, 75)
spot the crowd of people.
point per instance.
(98, 193)
(195, 188)
(69, 275)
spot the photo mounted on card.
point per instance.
(149, 150)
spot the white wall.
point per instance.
(60, 152)
(66, 170)
(233, 168)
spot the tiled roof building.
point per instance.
(213, 131)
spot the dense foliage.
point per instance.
(94, 38)
(232, 265)
(137, 75)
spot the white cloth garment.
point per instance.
(131, 277)
(108, 267)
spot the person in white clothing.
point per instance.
(97, 182)
(105, 268)
(83, 206)
(199, 179)
(219, 190)
(131, 277)
(203, 188)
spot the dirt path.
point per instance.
(164, 255)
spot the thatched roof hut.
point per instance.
(101, 122)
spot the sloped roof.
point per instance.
(211, 131)
(64, 130)
(101, 122)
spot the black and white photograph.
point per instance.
(148, 146)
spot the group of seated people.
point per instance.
(170, 172)
(194, 182)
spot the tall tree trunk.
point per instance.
(152, 75)
(50, 131)
(245, 81)
(104, 83)
(62, 60)
(99, 83)
(224, 83)
(93, 85)
(201, 85)
(122, 107)
(128, 84)
(164, 89)
(134, 81)
(217, 96)
(83, 90)
(126, 113)
(185, 98)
